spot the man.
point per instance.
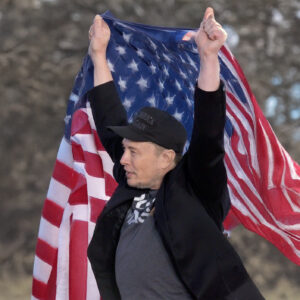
(160, 235)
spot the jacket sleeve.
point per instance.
(205, 156)
(108, 110)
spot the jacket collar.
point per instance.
(122, 194)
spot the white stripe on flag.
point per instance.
(58, 192)
(106, 162)
(86, 141)
(62, 280)
(41, 270)
(65, 153)
(80, 212)
(96, 187)
(48, 232)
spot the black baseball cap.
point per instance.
(151, 124)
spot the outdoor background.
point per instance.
(42, 46)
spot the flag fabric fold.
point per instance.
(156, 66)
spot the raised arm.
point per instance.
(206, 151)
(106, 106)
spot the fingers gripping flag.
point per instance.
(154, 66)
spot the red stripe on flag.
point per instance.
(77, 152)
(93, 164)
(52, 212)
(80, 123)
(51, 287)
(264, 156)
(97, 206)
(110, 184)
(39, 289)
(63, 174)
(45, 252)
(78, 260)
(79, 193)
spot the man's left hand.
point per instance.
(211, 36)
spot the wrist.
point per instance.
(99, 59)
(99, 62)
(209, 59)
(209, 76)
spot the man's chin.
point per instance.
(135, 184)
(131, 183)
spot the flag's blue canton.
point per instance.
(151, 66)
(151, 72)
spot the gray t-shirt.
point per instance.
(143, 267)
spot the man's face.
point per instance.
(143, 164)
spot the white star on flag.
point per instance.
(152, 101)
(161, 85)
(127, 103)
(111, 66)
(122, 83)
(178, 115)
(133, 66)
(142, 83)
(182, 74)
(121, 50)
(170, 99)
(188, 101)
(152, 68)
(127, 37)
(166, 72)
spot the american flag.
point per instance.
(154, 66)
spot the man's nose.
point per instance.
(124, 158)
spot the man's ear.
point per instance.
(168, 158)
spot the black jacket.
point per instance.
(189, 209)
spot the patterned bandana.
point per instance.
(141, 208)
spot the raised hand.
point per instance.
(99, 35)
(211, 36)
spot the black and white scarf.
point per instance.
(141, 208)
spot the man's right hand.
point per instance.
(99, 35)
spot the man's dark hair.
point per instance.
(177, 158)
